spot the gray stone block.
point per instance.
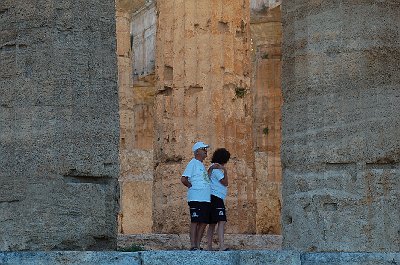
(190, 257)
(270, 257)
(340, 126)
(350, 258)
(59, 125)
(70, 258)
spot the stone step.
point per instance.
(248, 257)
(182, 242)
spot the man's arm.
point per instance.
(185, 181)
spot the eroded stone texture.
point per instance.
(266, 35)
(59, 125)
(341, 125)
(263, 5)
(143, 31)
(136, 111)
(203, 70)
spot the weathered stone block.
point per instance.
(350, 258)
(59, 125)
(136, 206)
(341, 131)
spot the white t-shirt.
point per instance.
(217, 189)
(198, 177)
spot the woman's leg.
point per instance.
(210, 235)
(221, 232)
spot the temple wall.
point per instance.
(341, 125)
(136, 111)
(59, 125)
(203, 81)
(266, 36)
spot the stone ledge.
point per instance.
(325, 258)
(248, 257)
(181, 241)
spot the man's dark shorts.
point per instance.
(217, 210)
(199, 212)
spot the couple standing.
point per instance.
(207, 190)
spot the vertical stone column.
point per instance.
(136, 112)
(59, 125)
(203, 81)
(266, 36)
(341, 125)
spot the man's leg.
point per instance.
(210, 235)
(192, 234)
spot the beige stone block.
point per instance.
(269, 200)
(136, 206)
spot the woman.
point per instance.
(219, 182)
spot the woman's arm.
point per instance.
(224, 181)
(214, 166)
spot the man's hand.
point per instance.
(186, 182)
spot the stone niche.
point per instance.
(59, 125)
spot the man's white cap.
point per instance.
(199, 145)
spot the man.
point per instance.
(196, 178)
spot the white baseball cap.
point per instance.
(199, 145)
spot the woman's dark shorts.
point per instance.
(199, 212)
(217, 210)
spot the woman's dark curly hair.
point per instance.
(220, 156)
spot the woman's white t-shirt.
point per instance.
(198, 177)
(217, 189)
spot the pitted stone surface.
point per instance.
(70, 258)
(197, 258)
(351, 258)
(266, 36)
(59, 125)
(341, 125)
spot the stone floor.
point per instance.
(181, 242)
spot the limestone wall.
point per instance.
(266, 36)
(59, 125)
(136, 111)
(203, 81)
(341, 125)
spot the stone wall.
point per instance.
(203, 81)
(59, 125)
(266, 36)
(341, 125)
(136, 111)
